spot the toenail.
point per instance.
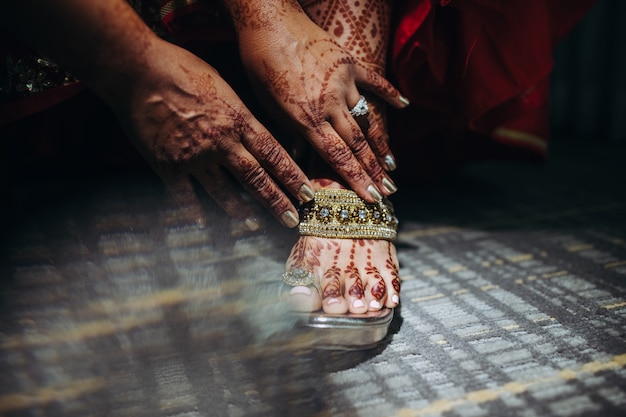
(300, 290)
(332, 301)
(358, 304)
(374, 304)
(395, 299)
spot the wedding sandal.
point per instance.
(342, 214)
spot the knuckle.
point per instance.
(374, 169)
(271, 153)
(256, 178)
(360, 147)
(340, 154)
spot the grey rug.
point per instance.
(513, 303)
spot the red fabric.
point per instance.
(38, 102)
(477, 65)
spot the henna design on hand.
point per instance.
(251, 16)
(360, 27)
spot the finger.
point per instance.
(249, 172)
(350, 132)
(180, 188)
(341, 158)
(222, 190)
(372, 125)
(377, 135)
(276, 160)
(377, 84)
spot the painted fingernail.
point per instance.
(306, 193)
(252, 223)
(374, 304)
(358, 303)
(391, 163)
(300, 290)
(389, 186)
(332, 301)
(404, 100)
(395, 299)
(374, 193)
(289, 219)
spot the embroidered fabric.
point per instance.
(27, 72)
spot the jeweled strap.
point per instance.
(342, 214)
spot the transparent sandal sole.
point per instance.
(346, 331)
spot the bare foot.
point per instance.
(349, 275)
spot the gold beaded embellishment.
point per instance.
(342, 214)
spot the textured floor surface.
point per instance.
(513, 304)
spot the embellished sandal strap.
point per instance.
(342, 214)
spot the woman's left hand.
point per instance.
(315, 82)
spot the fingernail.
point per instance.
(389, 185)
(300, 290)
(404, 100)
(395, 299)
(332, 301)
(374, 304)
(358, 303)
(201, 222)
(374, 193)
(289, 219)
(390, 162)
(252, 223)
(306, 193)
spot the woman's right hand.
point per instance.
(187, 121)
(181, 115)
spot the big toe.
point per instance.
(301, 291)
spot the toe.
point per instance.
(333, 301)
(375, 289)
(304, 299)
(391, 275)
(355, 292)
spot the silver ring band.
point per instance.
(360, 108)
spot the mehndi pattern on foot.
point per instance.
(345, 255)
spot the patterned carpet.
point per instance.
(513, 304)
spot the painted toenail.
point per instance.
(374, 304)
(358, 304)
(332, 301)
(395, 299)
(300, 290)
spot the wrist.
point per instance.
(115, 73)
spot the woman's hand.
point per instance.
(181, 115)
(315, 82)
(361, 28)
(186, 121)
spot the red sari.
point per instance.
(477, 74)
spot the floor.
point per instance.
(513, 303)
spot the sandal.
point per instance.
(341, 214)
